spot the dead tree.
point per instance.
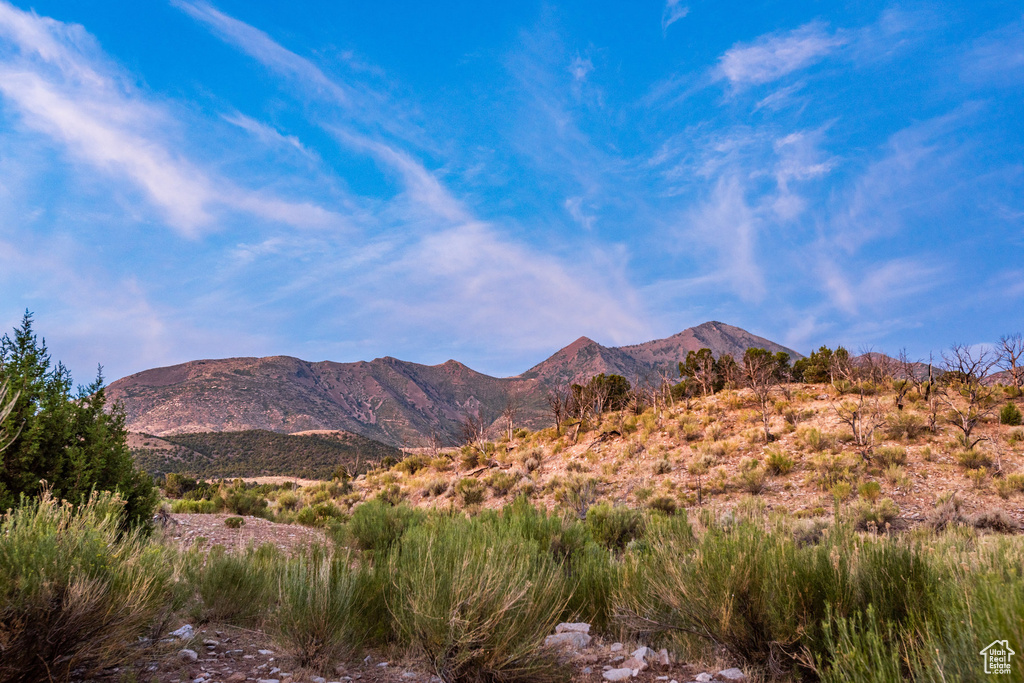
(559, 398)
(863, 416)
(761, 375)
(513, 405)
(473, 429)
(968, 399)
(1010, 357)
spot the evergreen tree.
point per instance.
(68, 440)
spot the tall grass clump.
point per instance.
(75, 589)
(317, 619)
(765, 600)
(237, 588)
(477, 602)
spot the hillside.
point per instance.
(389, 400)
(258, 453)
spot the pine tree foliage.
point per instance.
(66, 438)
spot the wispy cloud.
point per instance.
(66, 90)
(263, 48)
(775, 55)
(673, 12)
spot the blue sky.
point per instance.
(489, 181)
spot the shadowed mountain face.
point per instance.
(392, 401)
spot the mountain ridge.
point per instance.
(397, 402)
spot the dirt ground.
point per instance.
(206, 531)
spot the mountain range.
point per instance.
(396, 402)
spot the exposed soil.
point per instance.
(206, 531)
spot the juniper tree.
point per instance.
(70, 440)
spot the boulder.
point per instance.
(569, 627)
(187, 655)
(617, 674)
(642, 653)
(572, 640)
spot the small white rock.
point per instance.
(187, 655)
(382, 665)
(616, 647)
(731, 675)
(318, 679)
(265, 653)
(642, 652)
(184, 633)
(704, 678)
(617, 674)
(587, 670)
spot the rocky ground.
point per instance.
(226, 654)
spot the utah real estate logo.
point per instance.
(997, 657)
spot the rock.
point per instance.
(635, 665)
(731, 675)
(265, 653)
(616, 647)
(618, 659)
(569, 627)
(210, 642)
(664, 661)
(617, 674)
(318, 679)
(570, 640)
(661, 678)
(187, 655)
(642, 653)
(704, 678)
(409, 674)
(184, 633)
(237, 677)
(268, 680)
(382, 665)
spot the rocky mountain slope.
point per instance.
(393, 401)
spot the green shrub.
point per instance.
(244, 502)
(236, 588)
(973, 459)
(477, 603)
(206, 507)
(868, 516)
(613, 527)
(887, 456)
(319, 515)
(777, 462)
(664, 504)
(376, 526)
(390, 494)
(766, 601)
(435, 487)
(662, 466)
(470, 491)
(75, 592)
(752, 480)
(234, 522)
(501, 482)
(412, 464)
(1010, 415)
(869, 491)
(904, 425)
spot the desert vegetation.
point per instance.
(836, 519)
